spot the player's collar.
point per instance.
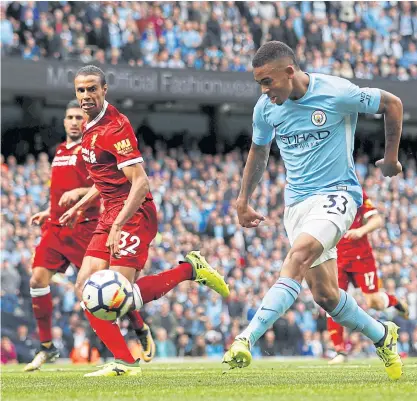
(99, 116)
(72, 144)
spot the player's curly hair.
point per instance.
(271, 51)
(73, 104)
(92, 70)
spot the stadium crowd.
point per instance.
(195, 194)
(349, 39)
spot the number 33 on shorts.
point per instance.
(128, 243)
(337, 204)
(339, 208)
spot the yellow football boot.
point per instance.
(206, 275)
(239, 355)
(388, 352)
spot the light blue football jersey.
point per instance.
(315, 135)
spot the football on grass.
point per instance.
(108, 295)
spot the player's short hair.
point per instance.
(73, 104)
(271, 51)
(92, 70)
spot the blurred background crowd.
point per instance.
(349, 39)
(195, 194)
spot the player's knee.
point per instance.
(327, 298)
(40, 278)
(301, 257)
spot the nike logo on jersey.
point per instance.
(271, 310)
(277, 125)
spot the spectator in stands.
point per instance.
(25, 347)
(410, 56)
(165, 348)
(166, 320)
(268, 345)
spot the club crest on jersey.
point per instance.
(93, 141)
(123, 147)
(318, 118)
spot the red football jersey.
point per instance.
(69, 172)
(108, 145)
(348, 250)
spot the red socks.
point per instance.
(110, 334)
(393, 301)
(136, 320)
(154, 287)
(336, 334)
(42, 309)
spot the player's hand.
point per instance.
(248, 217)
(39, 218)
(70, 217)
(389, 169)
(113, 240)
(354, 234)
(69, 198)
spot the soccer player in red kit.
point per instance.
(60, 245)
(356, 265)
(129, 223)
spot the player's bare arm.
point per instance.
(373, 223)
(70, 197)
(70, 217)
(140, 187)
(252, 174)
(392, 108)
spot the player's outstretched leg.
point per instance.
(144, 334)
(196, 268)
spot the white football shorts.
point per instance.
(326, 217)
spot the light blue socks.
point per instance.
(349, 314)
(276, 302)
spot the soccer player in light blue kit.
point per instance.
(313, 117)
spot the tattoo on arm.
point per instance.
(254, 169)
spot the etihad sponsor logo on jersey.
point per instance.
(303, 140)
(70, 160)
(123, 147)
(88, 155)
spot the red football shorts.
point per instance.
(137, 234)
(361, 273)
(61, 246)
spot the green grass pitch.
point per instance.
(278, 380)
